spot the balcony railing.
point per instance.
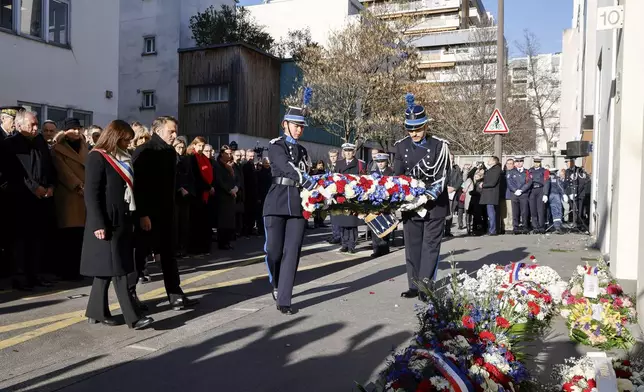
(434, 24)
(413, 6)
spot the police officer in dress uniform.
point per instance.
(283, 220)
(381, 245)
(348, 224)
(577, 185)
(539, 195)
(519, 185)
(425, 158)
(7, 116)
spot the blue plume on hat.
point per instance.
(411, 100)
(308, 94)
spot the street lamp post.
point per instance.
(500, 66)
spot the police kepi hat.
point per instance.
(348, 146)
(537, 158)
(295, 115)
(11, 110)
(519, 158)
(415, 115)
(381, 157)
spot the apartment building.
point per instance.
(151, 33)
(606, 82)
(61, 59)
(451, 35)
(538, 80)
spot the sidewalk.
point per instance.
(348, 323)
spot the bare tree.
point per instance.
(542, 90)
(461, 99)
(359, 80)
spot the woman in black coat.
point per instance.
(108, 240)
(203, 176)
(225, 195)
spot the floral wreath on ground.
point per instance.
(600, 322)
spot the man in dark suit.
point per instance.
(251, 196)
(30, 186)
(424, 158)
(283, 220)
(348, 224)
(155, 165)
(490, 193)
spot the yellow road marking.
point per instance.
(67, 319)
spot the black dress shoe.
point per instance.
(274, 294)
(409, 294)
(182, 303)
(139, 304)
(286, 310)
(142, 323)
(352, 251)
(332, 241)
(110, 321)
(344, 249)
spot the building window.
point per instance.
(58, 115)
(59, 22)
(149, 45)
(148, 99)
(85, 118)
(207, 94)
(31, 18)
(6, 14)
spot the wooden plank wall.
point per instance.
(253, 92)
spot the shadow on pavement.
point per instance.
(28, 306)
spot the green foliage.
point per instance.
(228, 25)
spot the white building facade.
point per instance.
(538, 81)
(610, 107)
(61, 59)
(151, 32)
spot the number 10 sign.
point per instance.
(609, 18)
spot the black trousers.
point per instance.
(349, 237)
(537, 209)
(27, 257)
(70, 246)
(422, 248)
(453, 205)
(284, 236)
(249, 219)
(97, 306)
(182, 223)
(520, 209)
(200, 240)
(161, 241)
(380, 245)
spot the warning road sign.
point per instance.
(496, 123)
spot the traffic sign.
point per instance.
(496, 123)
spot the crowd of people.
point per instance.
(490, 199)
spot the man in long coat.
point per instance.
(491, 194)
(155, 165)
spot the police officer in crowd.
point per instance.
(381, 245)
(577, 189)
(348, 224)
(539, 195)
(7, 116)
(519, 184)
(556, 200)
(425, 158)
(283, 219)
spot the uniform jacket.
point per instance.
(577, 181)
(353, 168)
(106, 209)
(557, 186)
(540, 179)
(519, 180)
(491, 191)
(408, 154)
(387, 172)
(155, 165)
(70, 170)
(224, 200)
(282, 199)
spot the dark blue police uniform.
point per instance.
(540, 187)
(557, 191)
(348, 224)
(284, 224)
(519, 180)
(381, 245)
(428, 161)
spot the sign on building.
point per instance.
(496, 123)
(609, 18)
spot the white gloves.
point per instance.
(565, 198)
(518, 192)
(545, 198)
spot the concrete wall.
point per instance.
(569, 105)
(168, 20)
(39, 73)
(321, 16)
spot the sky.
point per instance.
(545, 18)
